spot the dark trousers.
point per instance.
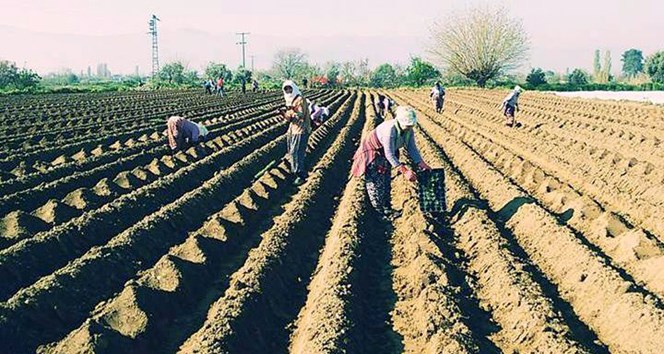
(509, 114)
(378, 184)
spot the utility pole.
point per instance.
(155, 46)
(243, 43)
(252, 62)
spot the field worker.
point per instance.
(319, 114)
(378, 154)
(207, 84)
(220, 86)
(438, 96)
(182, 133)
(384, 105)
(325, 114)
(202, 132)
(511, 105)
(297, 114)
(254, 86)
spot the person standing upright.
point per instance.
(220, 86)
(296, 112)
(438, 96)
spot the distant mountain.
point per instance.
(46, 52)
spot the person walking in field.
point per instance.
(297, 114)
(510, 106)
(207, 84)
(183, 133)
(254, 86)
(378, 154)
(220, 86)
(438, 96)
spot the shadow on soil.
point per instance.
(580, 331)
(374, 298)
(478, 320)
(507, 212)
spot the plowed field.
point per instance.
(552, 241)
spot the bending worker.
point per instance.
(510, 106)
(319, 114)
(383, 106)
(183, 133)
(378, 154)
(297, 114)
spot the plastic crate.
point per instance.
(432, 190)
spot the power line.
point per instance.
(243, 43)
(155, 45)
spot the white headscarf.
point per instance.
(406, 116)
(290, 97)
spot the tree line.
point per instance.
(480, 46)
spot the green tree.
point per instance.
(215, 70)
(655, 67)
(420, 72)
(8, 73)
(552, 77)
(177, 74)
(26, 78)
(72, 79)
(383, 76)
(597, 66)
(578, 77)
(173, 73)
(536, 77)
(632, 62)
(240, 74)
(13, 77)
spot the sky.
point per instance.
(48, 35)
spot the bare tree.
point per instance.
(479, 44)
(289, 62)
(355, 73)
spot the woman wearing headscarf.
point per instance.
(319, 114)
(511, 105)
(378, 154)
(183, 133)
(438, 96)
(383, 106)
(297, 114)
